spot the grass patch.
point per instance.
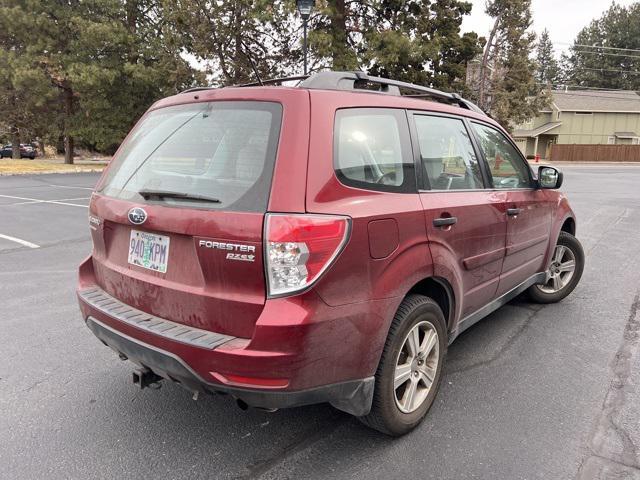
(41, 165)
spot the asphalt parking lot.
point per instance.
(531, 392)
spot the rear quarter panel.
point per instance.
(357, 276)
(370, 277)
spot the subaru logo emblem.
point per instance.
(137, 216)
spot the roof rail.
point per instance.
(197, 89)
(271, 81)
(359, 81)
(274, 81)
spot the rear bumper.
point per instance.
(101, 301)
(300, 350)
(352, 396)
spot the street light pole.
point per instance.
(305, 7)
(304, 47)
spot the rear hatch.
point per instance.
(177, 220)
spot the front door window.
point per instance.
(507, 167)
(447, 159)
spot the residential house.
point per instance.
(589, 117)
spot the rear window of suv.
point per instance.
(217, 155)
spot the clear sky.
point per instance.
(563, 18)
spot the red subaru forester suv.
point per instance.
(319, 243)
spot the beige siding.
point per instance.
(595, 128)
(535, 123)
(541, 120)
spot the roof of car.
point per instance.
(346, 91)
(361, 82)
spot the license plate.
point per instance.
(149, 250)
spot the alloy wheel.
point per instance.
(416, 367)
(561, 270)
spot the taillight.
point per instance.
(299, 248)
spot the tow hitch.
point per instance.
(144, 378)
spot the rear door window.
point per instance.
(373, 149)
(447, 157)
(217, 155)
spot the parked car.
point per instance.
(26, 151)
(322, 243)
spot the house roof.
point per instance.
(597, 101)
(536, 131)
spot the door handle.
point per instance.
(512, 212)
(445, 221)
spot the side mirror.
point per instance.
(549, 178)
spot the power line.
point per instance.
(608, 54)
(609, 70)
(607, 48)
(596, 46)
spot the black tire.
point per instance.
(385, 415)
(570, 242)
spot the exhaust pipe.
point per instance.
(243, 406)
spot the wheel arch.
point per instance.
(564, 220)
(569, 226)
(441, 292)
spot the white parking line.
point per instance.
(69, 186)
(46, 201)
(37, 200)
(20, 241)
(38, 272)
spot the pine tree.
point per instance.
(24, 92)
(83, 70)
(507, 88)
(75, 45)
(417, 41)
(613, 67)
(548, 69)
(336, 35)
(88, 68)
(145, 67)
(234, 40)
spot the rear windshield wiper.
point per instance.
(146, 194)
